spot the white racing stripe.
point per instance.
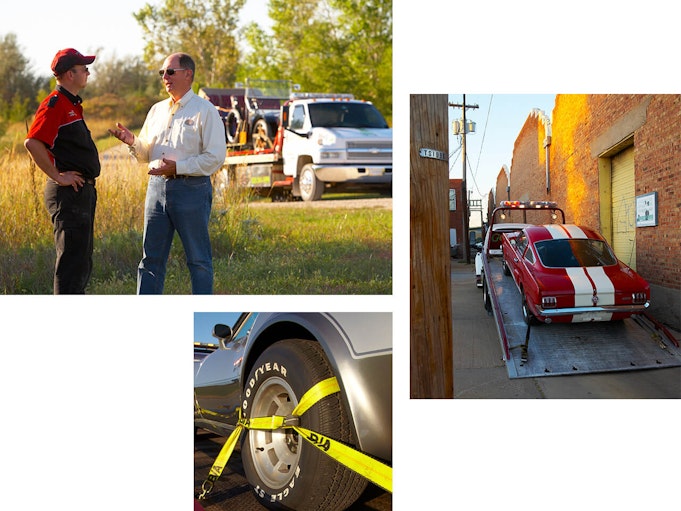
(583, 288)
(605, 289)
(574, 231)
(556, 232)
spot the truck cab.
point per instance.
(332, 141)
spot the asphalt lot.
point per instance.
(480, 372)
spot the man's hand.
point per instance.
(123, 134)
(167, 169)
(71, 178)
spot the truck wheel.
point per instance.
(311, 188)
(485, 295)
(286, 471)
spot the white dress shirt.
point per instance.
(188, 131)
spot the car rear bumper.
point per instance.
(608, 309)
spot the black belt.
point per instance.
(87, 180)
(182, 176)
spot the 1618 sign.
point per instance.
(432, 153)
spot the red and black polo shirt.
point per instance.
(59, 124)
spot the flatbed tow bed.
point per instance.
(555, 349)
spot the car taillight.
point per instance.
(549, 302)
(638, 298)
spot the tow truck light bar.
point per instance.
(516, 204)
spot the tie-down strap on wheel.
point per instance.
(366, 466)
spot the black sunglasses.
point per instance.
(170, 71)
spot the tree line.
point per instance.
(325, 46)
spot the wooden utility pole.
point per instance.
(432, 372)
(464, 190)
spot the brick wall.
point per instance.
(583, 129)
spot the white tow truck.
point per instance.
(310, 143)
(639, 342)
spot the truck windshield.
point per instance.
(572, 253)
(345, 115)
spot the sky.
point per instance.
(498, 121)
(205, 321)
(44, 27)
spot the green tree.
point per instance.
(203, 29)
(368, 49)
(124, 77)
(18, 85)
(327, 46)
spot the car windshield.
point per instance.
(571, 253)
(346, 115)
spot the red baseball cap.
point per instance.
(66, 59)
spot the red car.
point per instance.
(568, 273)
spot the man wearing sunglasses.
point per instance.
(60, 143)
(183, 141)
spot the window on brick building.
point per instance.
(452, 200)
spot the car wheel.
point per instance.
(232, 126)
(262, 138)
(504, 266)
(286, 471)
(528, 317)
(311, 188)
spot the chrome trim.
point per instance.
(602, 308)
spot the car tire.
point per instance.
(232, 126)
(505, 267)
(311, 188)
(528, 317)
(260, 134)
(285, 471)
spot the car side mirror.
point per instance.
(223, 333)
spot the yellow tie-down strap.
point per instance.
(378, 473)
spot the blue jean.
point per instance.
(181, 205)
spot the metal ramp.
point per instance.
(575, 348)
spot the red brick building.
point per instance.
(609, 161)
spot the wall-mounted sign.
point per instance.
(432, 153)
(646, 210)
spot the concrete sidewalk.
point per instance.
(480, 371)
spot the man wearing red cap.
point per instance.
(60, 143)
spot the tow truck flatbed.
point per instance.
(572, 348)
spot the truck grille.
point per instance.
(370, 150)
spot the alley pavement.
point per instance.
(480, 371)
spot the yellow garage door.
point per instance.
(623, 207)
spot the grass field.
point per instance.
(256, 250)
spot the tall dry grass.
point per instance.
(255, 250)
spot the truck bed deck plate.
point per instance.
(577, 348)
